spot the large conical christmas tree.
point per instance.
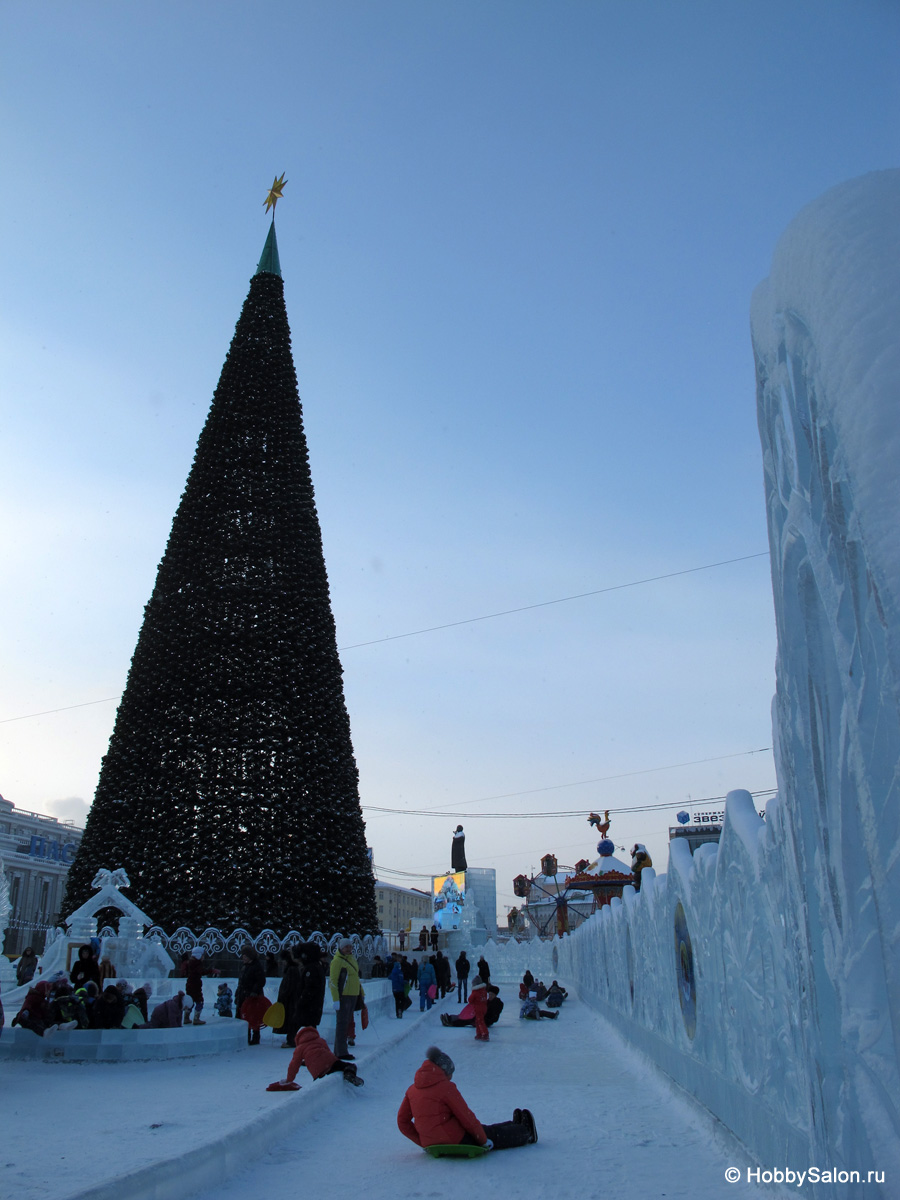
(229, 792)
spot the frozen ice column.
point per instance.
(826, 325)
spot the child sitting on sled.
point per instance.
(314, 1051)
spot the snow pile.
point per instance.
(764, 974)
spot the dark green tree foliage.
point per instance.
(230, 791)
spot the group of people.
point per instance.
(533, 992)
(433, 979)
(427, 936)
(433, 1112)
(80, 999)
(85, 998)
(302, 992)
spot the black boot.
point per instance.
(254, 1037)
(528, 1122)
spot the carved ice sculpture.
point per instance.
(826, 332)
(133, 956)
(116, 879)
(763, 974)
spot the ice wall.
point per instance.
(764, 975)
(826, 331)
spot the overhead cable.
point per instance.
(506, 612)
(451, 624)
(576, 812)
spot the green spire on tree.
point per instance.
(229, 792)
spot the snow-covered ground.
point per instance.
(608, 1122)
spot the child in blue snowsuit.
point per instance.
(224, 1000)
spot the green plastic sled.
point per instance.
(456, 1151)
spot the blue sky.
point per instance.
(519, 241)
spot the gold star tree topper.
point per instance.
(275, 193)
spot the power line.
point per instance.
(450, 625)
(581, 782)
(404, 874)
(576, 812)
(65, 708)
(524, 854)
(506, 612)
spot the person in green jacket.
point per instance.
(346, 993)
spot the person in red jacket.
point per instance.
(314, 1051)
(433, 1112)
(478, 998)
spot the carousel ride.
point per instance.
(558, 899)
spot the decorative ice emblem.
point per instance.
(116, 879)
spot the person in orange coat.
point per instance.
(314, 1051)
(433, 1112)
(478, 998)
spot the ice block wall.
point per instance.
(764, 974)
(826, 332)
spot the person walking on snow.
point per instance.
(462, 978)
(398, 987)
(427, 980)
(433, 1112)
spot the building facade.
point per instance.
(37, 852)
(401, 908)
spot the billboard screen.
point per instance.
(448, 898)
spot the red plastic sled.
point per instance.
(283, 1087)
